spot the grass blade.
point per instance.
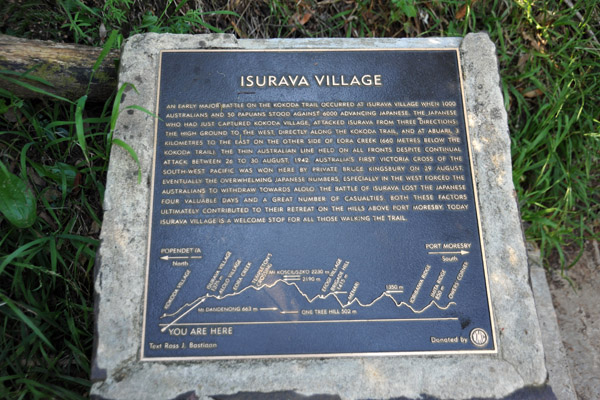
(34, 89)
(105, 50)
(21, 316)
(133, 155)
(79, 126)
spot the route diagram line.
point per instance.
(343, 304)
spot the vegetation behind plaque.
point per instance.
(54, 153)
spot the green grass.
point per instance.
(55, 152)
(555, 141)
(46, 268)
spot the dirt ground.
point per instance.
(578, 313)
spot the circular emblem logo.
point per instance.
(479, 337)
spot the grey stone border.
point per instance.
(119, 283)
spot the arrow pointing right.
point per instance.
(462, 252)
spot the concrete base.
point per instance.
(517, 370)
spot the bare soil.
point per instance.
(578, 312)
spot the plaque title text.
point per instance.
(303, 81)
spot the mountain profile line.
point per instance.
(343, 304)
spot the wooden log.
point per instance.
(67, 67)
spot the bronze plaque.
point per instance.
(313, 203)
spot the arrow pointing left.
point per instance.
(167, 258)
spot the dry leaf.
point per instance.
(540, 39)
(94, 228)
(305, 18)
(368, 16)
(531, 40)
(300, 21)
(522, 61)
(545, 18)
(51, 195)
(238, 30)
(77, 182)
(35, 178)
(462, 11)
(102, 32)
(533, 93)
(49, 220)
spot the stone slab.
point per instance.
(518, 367)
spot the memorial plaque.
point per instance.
(313, 203)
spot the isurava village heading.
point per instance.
(249, 81)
